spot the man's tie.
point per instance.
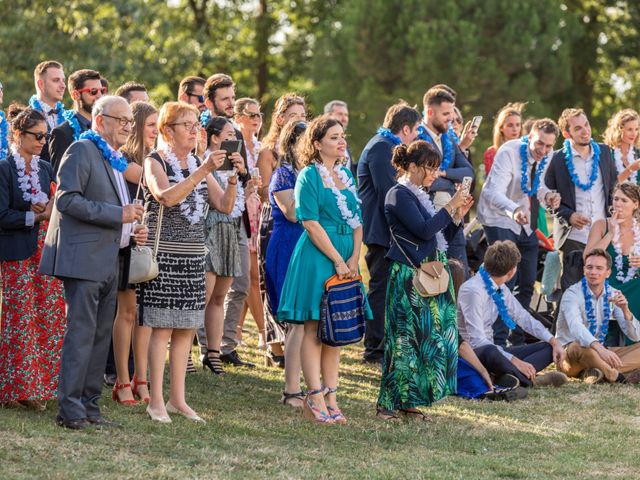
(534, 204)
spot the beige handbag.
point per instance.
(431, 279)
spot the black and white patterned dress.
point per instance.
(176, 297)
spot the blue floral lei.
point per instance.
(386, 133)
(524, 168)
(70, 116)
(35, 104)
(591, 314)
(595, 167)
(115, 158)
(4, 136)
(452, 133)
(497, 299)
(447, 145)
(205, 117)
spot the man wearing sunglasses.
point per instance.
(86, 88)
(191, 91)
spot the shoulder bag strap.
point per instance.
(400, 247)
(156, 241)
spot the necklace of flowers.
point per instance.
(195, 214)
(452, 133)
(617, 155)
(204, 118)
(386, 133)
(426, 202)
(447, 145)
(114, 157)
(29, 184)
(591, 314)
(70, 116)
(4, 136)
(595, 167)
(617, 246)
(498, 299)
(59, 108)
(347, 215)
(239, 204)
(524, 168)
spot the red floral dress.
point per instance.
(32, 329)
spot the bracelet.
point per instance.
(232, 183)
(195, 185)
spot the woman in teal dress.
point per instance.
(421, 333)
(327, 206)
(620, 237)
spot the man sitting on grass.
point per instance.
(483, 300)
(586, 309)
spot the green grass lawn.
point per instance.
(572, 432)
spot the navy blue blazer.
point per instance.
(459, 168)
(413, 227)
(17, 241)
(558, 178)
(376, 176)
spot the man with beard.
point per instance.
(191, 91)
(439, 105)
(85, 87)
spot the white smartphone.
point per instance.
(466, 184)
(476, 121)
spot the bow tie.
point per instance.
(54, 111)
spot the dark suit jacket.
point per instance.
(558, 178)
(62, 138)
(414, 228)
(459, 168)
(83, 239)
(18, 241)
(376, 176)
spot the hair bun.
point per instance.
(400, 158)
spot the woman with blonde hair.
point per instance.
(507, 126)
(622, 136)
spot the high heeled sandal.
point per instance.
(334, 413)
(213, 363)
(116, 398)
(312, 412)
(134, 389)
(190, 366)
(275, 361)
(287, 397)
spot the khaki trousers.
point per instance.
(580, 358)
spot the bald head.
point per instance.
(113, 120)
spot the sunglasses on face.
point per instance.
(253, 115)
(39, 136)
(199, 97)
(93, 91)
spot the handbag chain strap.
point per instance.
(156, 240)
(401, 249)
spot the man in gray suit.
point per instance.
(90, 222)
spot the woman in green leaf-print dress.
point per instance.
(421, 334)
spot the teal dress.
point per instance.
(309, 268)
(631, 290)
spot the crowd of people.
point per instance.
(218, 221)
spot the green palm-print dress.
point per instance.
(420, 345)
(631, 290)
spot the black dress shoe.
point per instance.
(233, 359)
(75, 424)
(101, 422)
(109, 379)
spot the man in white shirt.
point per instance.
(478, 309)
(508, 212)
(586, 309)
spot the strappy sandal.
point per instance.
(287, 397)
(312, 412)
(388, 415)
(334, 413)
(213, 362)
(134, 388)
(415, 415)
(115, 397)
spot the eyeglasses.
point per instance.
(253, 115)
(188, 126)
(123, 121)
(93, 91)
(39, 136)
(199, 97)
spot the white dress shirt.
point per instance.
(501, 194)
(435, 136)
(477, 313)
(573, 325)
(591, 203)
(123, 194)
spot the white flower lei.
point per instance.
(426, 202)
(192, 215)
(631, 272)
(348, 216)
(239, 204)
(631, 157)
(30, 185)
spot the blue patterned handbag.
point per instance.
(342, 318)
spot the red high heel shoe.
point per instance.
(121, 386)
(134, 390)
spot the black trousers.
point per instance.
(90, 311)
(539, 354)
(378, 267)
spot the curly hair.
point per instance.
(307, 151)
(615, 126)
